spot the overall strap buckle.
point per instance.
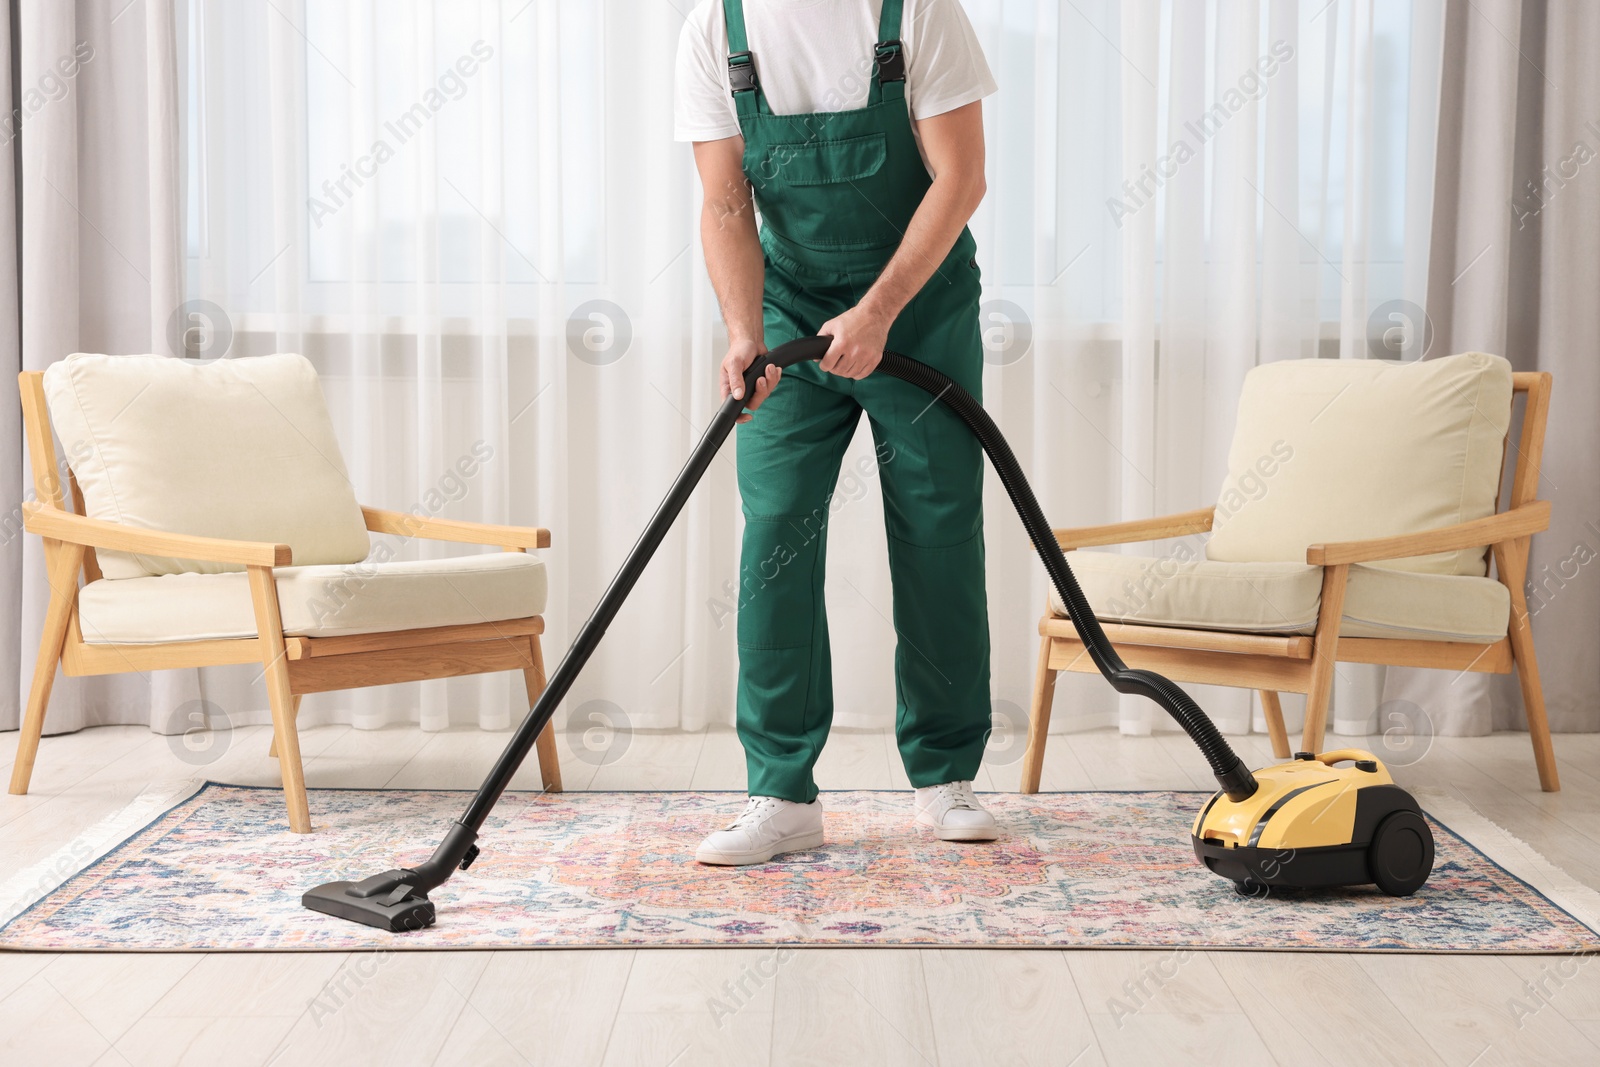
(742, 72)
(891, 61)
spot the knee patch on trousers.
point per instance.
(964, 544)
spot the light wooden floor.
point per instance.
(877, 1006)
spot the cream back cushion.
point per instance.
(233, 448)
(1349, 449)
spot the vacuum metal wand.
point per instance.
(397, 900)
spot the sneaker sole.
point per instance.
(960, 833)
(793, 843)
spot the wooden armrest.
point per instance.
(68, 526)
(1523, 521)
(1121, 533)
(405, 524)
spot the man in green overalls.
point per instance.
(857, 126)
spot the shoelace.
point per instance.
(958, 795)
(754, 809)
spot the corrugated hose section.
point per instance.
(1234, 777)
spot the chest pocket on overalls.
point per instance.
(826, 162)
(829, 194)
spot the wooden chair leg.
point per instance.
(275, 667)
(1273, 711)
(1044, 694)
(1324, 656)
(1511, 561)
(549, 760)
(272, 749)
(62, 573)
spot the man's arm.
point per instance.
(953, 143)
(733, 259)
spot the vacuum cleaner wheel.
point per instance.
(1401, 853)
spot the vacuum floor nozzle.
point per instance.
(388, 901)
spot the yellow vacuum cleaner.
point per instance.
(1312, 823)
(1307, 824)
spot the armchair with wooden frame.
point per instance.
(1303, 659)
(292, 664)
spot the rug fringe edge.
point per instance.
(32, 884)
(1514, 854)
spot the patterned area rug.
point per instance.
(219, 870)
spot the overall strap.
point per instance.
(733, 11)
(741, 63)
(889, 20)
(889, 68)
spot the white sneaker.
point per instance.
(766, 827)
(953, 811)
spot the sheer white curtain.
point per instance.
(1180, 191)
(472, 218)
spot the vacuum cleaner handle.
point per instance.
(784, 356)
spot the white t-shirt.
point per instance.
(817, 55)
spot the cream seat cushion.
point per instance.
(1284, 598)
(316, 601)
(233, 448)
(1350, 449)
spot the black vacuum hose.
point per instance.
(1232, 775)
(397, 899)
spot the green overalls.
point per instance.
(836, 191)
